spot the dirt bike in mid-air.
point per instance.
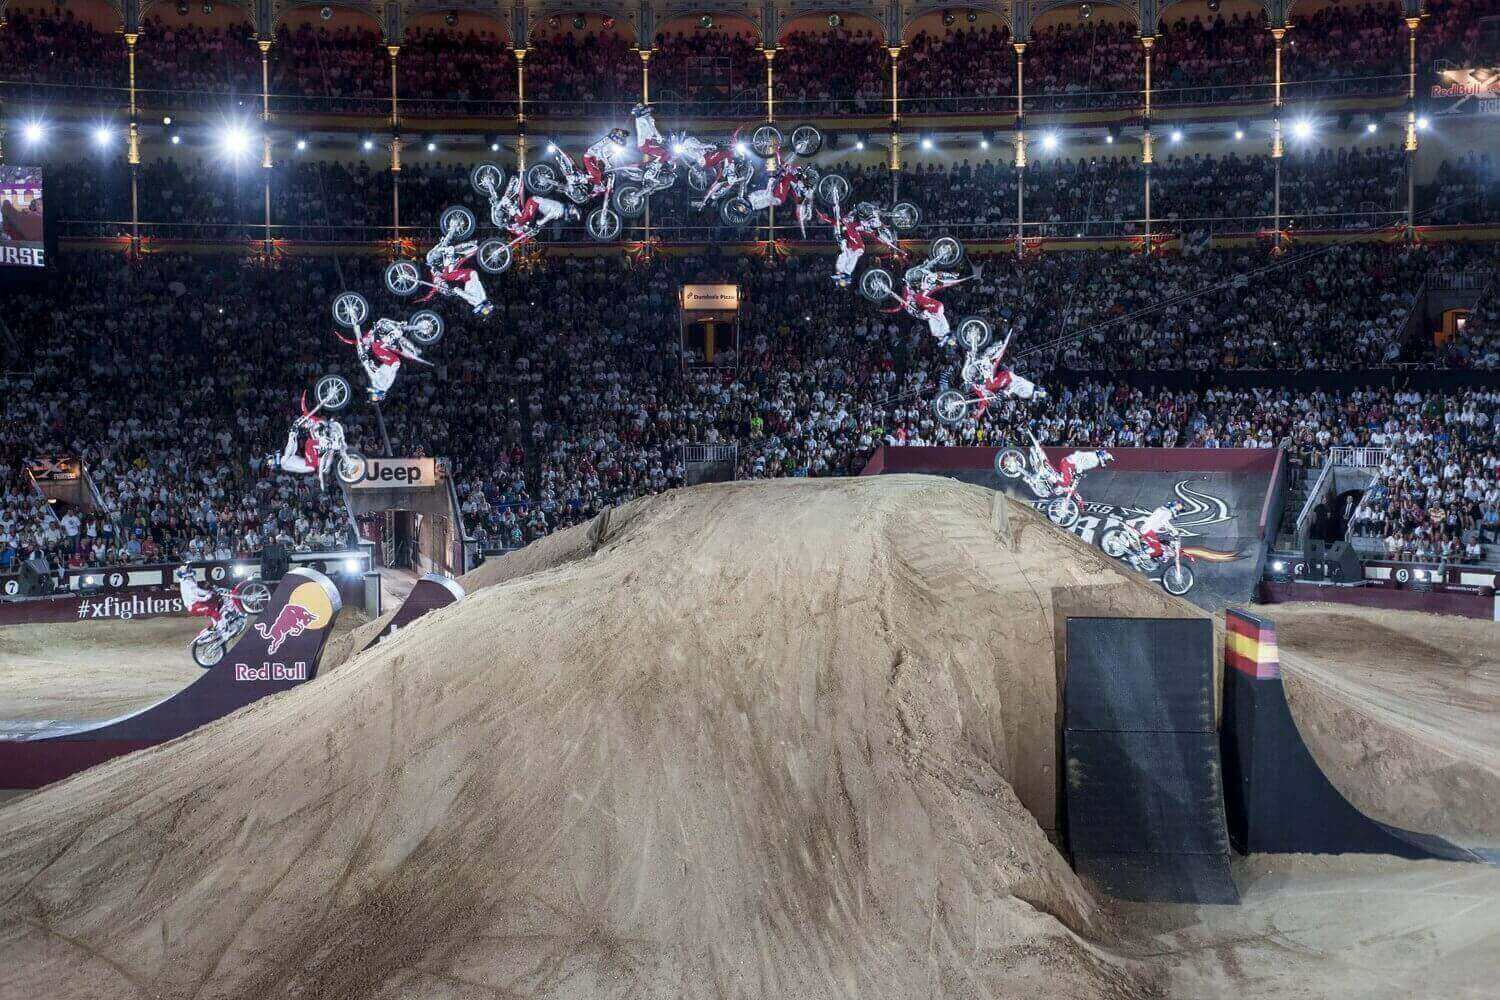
(834, 190)
(567, 181)
(249, 597)
(1032, 467)
(457, 223)
(1124, 541)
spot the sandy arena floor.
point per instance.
(80, 671)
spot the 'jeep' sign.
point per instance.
(385, 473)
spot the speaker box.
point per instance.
(274, 562)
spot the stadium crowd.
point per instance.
(194, 196)
(1080, 61)
(173, 377)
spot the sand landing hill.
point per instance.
(780, 739)
(1402, 710)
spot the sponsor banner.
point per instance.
(387, 473)
(133, 606)
(1466, 92)
(53, 469)
(724, 298)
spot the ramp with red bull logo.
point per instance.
(275, 654)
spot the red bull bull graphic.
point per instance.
(293, 621)
(275, 654)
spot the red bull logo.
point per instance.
(293, 620)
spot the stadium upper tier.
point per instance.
(507, 63)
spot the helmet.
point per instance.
(639, 110)
(513, 189)
(1176, 506)
(864, 211)
(618, 136)
(183, 572)
(1104, 457)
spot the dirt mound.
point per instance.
(781, 739)
(1402, 711)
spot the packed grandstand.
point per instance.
(1226, 294)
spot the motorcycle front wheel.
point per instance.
(351, 468)
(604, 224)
(950, 406)
(1010, 463)
(541, 178)
(208, 650)
(1115, 542)
(1063, 511)
(1178, 579)
(253, 596)
(630, 201)
(735, 212)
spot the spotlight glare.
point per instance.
(1176, 135)
(551, 147)
(367, 145)
(859, 144)
(1302, 128)
(676, 149)
(1239, 134)
(1109, 139)
(741, 148)
(1422, 123)
(984, 144)
(33, 132)
(432, 147)
(103, 135)
(176, 140)
(1371, 127)
(1049, 140)
(301, 145)
(926, 143)
(235, 140)
(351, 565)
(494, 147)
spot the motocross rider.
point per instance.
(1076, 464)
(988, 377)
(599, 158)
(452, 274)
(526, 215)
(918, 300)
(1158, 521)
(851, 231)
(655, 155)
(203, 602)
(730, 165)
(381, 350)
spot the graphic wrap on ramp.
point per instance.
(431, 592)
(1225, 491)
(274, 654)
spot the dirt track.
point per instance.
(1402, 710)
(783, 739)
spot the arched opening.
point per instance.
(708, 65)
(958, 61)
(832, 63)
(198, 55)
(457, 63)
(581, 63)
